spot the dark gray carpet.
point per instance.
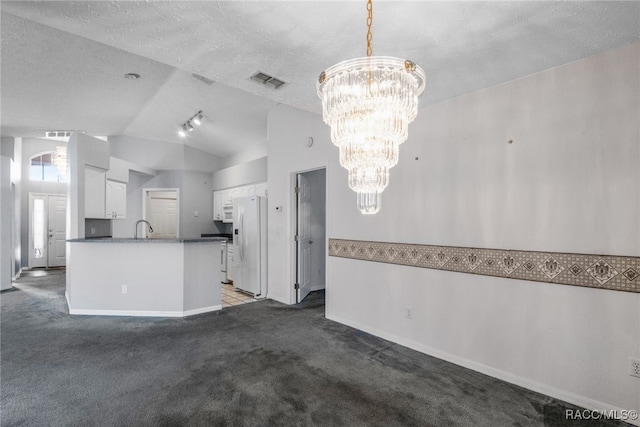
(260, 364)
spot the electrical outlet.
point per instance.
(124, 289)
(196, 213)
(409, 313)
(634, 367)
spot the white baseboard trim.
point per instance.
(317, 287)
(141, 313)
(575, 399)
(133, 313)
(203, 310)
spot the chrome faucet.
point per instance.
(149, 228)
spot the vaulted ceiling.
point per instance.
(63, 63)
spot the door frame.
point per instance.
(293, 223)
(32, 196)
(145, 193)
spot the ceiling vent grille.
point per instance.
(267, 80)
(58, 134)
(203, 79)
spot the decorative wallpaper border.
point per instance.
(618, 273)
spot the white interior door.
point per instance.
(304, 240)
(57, 231)
(162, 213)
(47, 230)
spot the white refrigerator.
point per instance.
(250, 245)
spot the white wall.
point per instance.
(135, 186)
(17, 184)
(119, 169)
(201, 161)
(570, 182)
(177, 166)
(6, 206)
(288, 130)
(241, 174)
(254, 152)
(81, 150)
(162, 155)
(195, 194)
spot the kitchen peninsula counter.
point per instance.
(145, 240)
(143, 277)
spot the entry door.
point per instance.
(57, 231)
(47, 230)
(303, 234)
(162, 208)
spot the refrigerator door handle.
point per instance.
(241, 236)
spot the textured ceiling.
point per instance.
(63, 62)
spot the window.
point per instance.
(48, 167)
(38, 228)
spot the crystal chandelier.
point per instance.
(59, 160)
(369, 103)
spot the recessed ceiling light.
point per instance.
(132, 76)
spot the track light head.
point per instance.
(183, 130)
(197, 119)
(187, 126)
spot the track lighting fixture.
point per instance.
(183, 130)
(187, 126)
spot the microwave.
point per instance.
(227, 213)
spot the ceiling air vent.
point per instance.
(203, 79)
(267, 80)
(58, 134)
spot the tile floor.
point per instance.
(231, 297)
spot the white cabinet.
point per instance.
(103, 198)
(261, 189)
(222, 198)
(116, 200)
(227, 197)
(247, 190)
(217, 206)
(94, 192)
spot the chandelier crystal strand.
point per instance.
(60, 160)
(369, 103)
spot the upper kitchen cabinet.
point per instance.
(95, 192)
(261, 189)
(217, 206)
(116, 200)
(104, 198)
(224, 198)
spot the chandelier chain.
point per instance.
(369, 22)
(369, 103)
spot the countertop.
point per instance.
(228, 236)
(141, 240)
